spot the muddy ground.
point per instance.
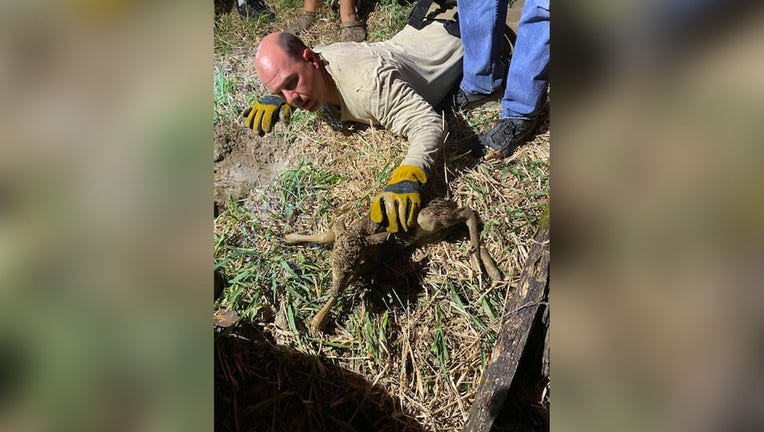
(243, 163)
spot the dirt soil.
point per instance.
(244, 162)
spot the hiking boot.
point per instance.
(255, 10)
(506, 136)
(463, 100)
(304, 21)
(352, 31)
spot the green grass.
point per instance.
(224, 94)
(439, 347)
(232, 33)
(304, 189)
(395, 16)
(374, 330)
(300, 122)
(260, 269)
(480, 118)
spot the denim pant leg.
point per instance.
(527, 78)
(481, 23)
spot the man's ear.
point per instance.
(311, 57)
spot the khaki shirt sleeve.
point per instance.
(406, 113)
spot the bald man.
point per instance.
(395, 84)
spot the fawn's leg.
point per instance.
(489, 264)
(325, 237)
(479, 254)
(318, 321)
(470, 218)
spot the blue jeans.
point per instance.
(481, 23)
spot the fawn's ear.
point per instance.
(338, 227)
(376, 239)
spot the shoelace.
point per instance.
(506, 131)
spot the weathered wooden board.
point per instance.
(527, 306)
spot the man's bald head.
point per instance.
(289, 44)
(288, 67)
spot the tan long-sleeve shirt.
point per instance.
(396, 84)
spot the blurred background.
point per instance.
(657, 216)
(106, 215)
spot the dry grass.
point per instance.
(417, 336)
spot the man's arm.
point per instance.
(404, 112)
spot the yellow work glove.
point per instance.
(264, 114)
(397, 206)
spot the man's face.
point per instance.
(298, 80)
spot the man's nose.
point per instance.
(292, 98)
